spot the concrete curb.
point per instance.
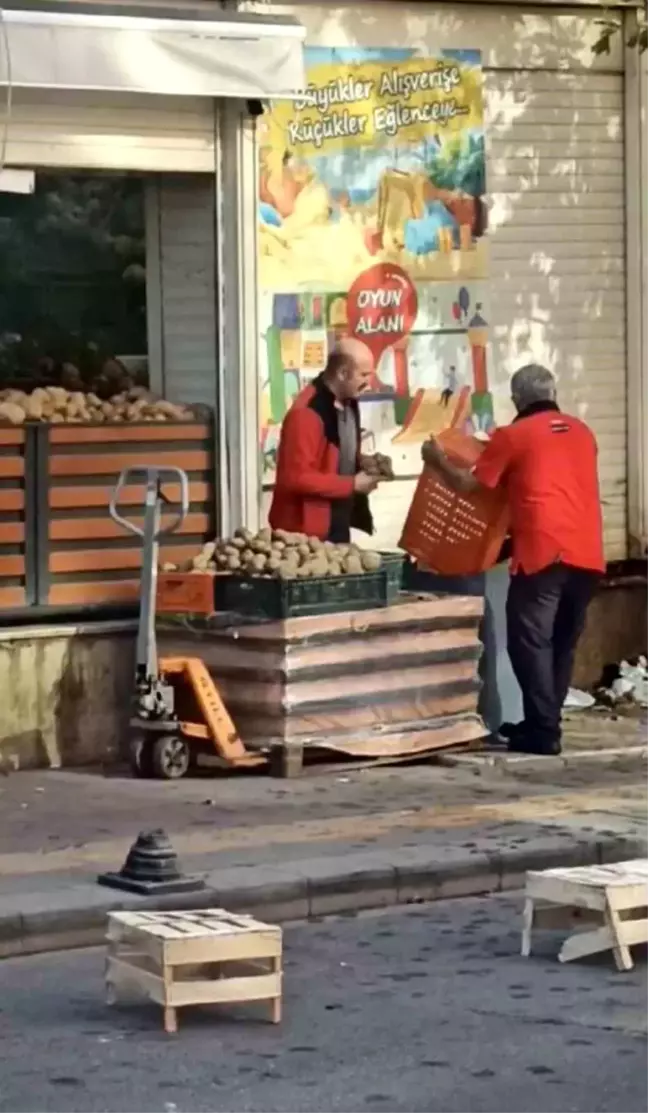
(75, 916)
(567, 760)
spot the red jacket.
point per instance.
(547, 462)
(307, 479)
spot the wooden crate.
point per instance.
(85, 557)
(194, 958)
(16, 575)
(392, 682)
(615, 895)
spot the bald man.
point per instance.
(320, 487)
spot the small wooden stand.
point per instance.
(194, 958)
(615, 895)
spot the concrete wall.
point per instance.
(616, 629)
(65, 694)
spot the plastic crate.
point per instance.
(393, 570)
(185, 593)
(263, 597)
(268, 598)
(454, 534)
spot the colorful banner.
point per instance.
(372, 221)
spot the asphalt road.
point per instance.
(426, 1009)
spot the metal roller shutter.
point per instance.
(105, 132)
(181, 257)
(556, 183)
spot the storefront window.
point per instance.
(73, 284)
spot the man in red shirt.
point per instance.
(547, 462)
(320, 487)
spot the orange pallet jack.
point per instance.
(177, 712)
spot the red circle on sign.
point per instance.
(381, 307)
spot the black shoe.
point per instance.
(521, 745)
(510, 731)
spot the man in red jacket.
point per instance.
(547, 462)
(320, 487)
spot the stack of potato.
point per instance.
(288, 556)
(59, 406)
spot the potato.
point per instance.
(370, 465)
(34, 408)
(169, 566)
(274, 563)
(134, 411)
(245, 534)
(371, 562)
(335, 569)
(353, 566)
(233, 563)
(304, 552)
(385, 466)
(170, 410)
(58, 394)
(259, 562)
(10, 412)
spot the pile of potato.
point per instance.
(288, 556)
(59, 406)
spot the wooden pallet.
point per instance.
(616, 896)
(194, 958)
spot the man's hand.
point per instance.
(364, 484)
(460, 479)
(432, 453)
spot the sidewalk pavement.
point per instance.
(335, 842)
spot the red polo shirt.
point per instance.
(547, 462)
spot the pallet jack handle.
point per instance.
(146, 659)
(153, 478)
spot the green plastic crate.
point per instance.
(392, 569)
(267, 598)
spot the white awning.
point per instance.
(246, 56)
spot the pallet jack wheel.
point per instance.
(141, 758)
(170, 757)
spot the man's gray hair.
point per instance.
(533, 383)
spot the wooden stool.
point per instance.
(606, 894)
(194, 958)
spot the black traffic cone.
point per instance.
(151, 867)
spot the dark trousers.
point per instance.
(340, 531)
(545, 616)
